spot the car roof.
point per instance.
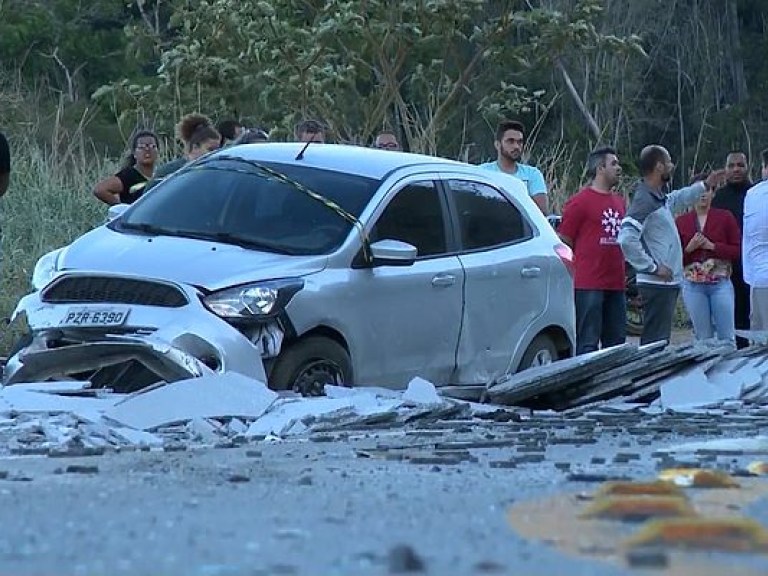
(358, 160)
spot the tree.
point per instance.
(358, 65)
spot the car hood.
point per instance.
(209, 265)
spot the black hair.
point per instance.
(764, 157)
(596, 159)
(649, 157)
(505, 125)
(130, 160)
(309, 127)
(228, 129)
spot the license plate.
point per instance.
(95, 317)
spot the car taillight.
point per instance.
(566, 255)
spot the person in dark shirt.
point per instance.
(731, 197)
(5, 164)
(128, 184)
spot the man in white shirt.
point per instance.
(754, 249)
(510, 138)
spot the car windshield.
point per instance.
(271, 208)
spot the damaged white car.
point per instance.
(305, 266)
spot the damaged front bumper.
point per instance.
(148, 345)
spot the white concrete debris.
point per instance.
(65, 416)
(231, 408)
(420, 391)
(232, 395)
(709, 386)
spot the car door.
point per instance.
(506, 277)
(412, 314)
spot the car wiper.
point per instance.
(237, 240)
(143, 227)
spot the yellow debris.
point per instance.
(698, 478)
(639, 508)
(722, 534)
(758, 468)
(658, 488)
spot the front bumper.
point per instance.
(170, 342)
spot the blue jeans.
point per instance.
(711, 308)
(601, 318)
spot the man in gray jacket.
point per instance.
(650, 241)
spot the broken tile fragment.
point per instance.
(721, 534)
(81, 469)
(216, 396)
(420, 391)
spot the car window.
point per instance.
(415, 216)
(486, 217)
(232, 201)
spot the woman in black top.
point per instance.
(128, 184)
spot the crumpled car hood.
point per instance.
(210, 265)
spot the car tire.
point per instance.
(307, 365)
(541, 351)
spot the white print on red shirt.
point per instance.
(611, 222)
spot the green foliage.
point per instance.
(357, 65)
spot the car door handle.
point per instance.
(530, 272)
(443, 280)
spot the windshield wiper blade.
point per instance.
(230, 238)
(144, 227)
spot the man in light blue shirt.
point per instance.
(510, 137)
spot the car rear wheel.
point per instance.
(542, 351)
(309, 364)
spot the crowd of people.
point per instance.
(198, 136)
(707, 241)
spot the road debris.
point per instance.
(724, 534)
(682, 377)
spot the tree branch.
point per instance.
(591, 123)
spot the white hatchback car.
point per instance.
(330, 264)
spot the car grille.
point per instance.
(114, 290)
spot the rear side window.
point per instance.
(415, 216)
(486, 217)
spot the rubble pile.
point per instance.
(676, 376)
(70, 419)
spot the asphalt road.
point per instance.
(452, 498)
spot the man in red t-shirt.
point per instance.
(590, 226)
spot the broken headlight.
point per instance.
(46, 268)
(253, 301)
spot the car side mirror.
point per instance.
(116, 211)
(393, 253)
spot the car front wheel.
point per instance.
(309, 364)
(541, 352)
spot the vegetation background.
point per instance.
(77, 78)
